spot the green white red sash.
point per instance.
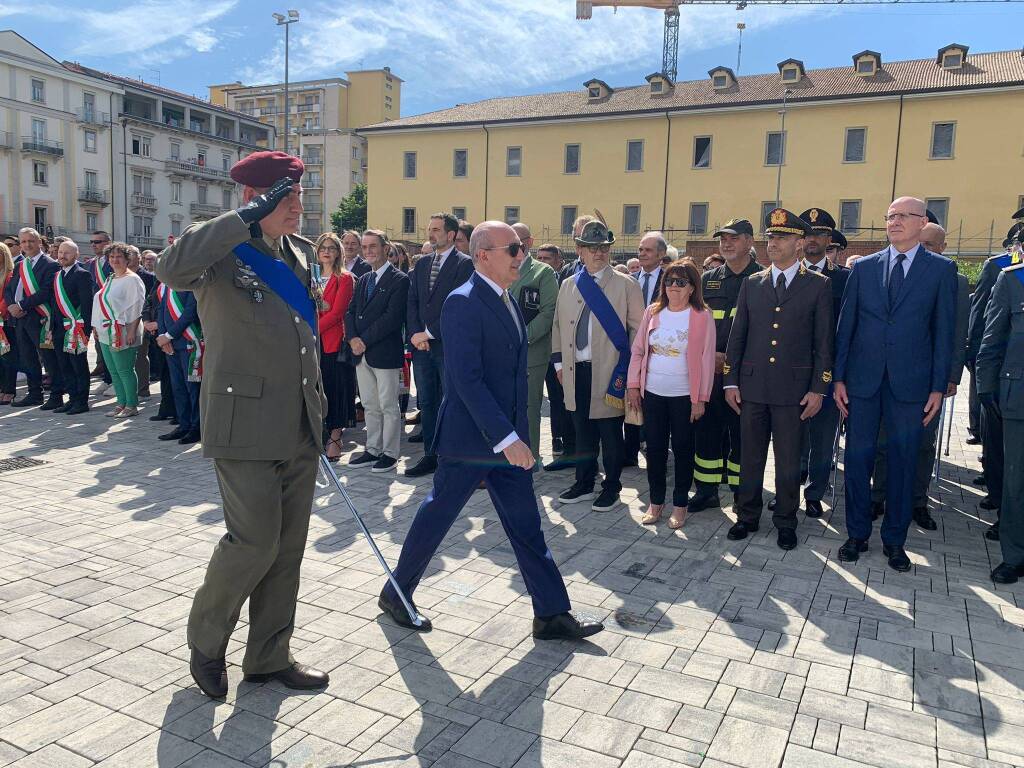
(195, 345)
(114, 329)
(76, 340)
(30, 287)
(97, 271)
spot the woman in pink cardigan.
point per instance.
(670, 377)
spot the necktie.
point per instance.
(647, 288)
(435, 269)
(780, 287)
(815, 268)
(371, 285)
(583, 329)
(896, 278)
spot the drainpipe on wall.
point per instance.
(668, 151)
(896, 158)
(124, 165)
(487, 166)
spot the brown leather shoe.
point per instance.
(211, 675)
(297, 676)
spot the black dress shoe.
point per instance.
(773, 503)
(52, 403)
(416, 438)
(159, 417)
(702, 500)
(425, 466)
(211, 675)
(1004, 573)
(175, 434)
(174, 420)
(973, 440)
(559, 464)
(877, 509)
(740, 531)
(77, 408)
(850, 551)
(979, 481)
(924, 519)
(898, 559)
(564, 626)
(189, 438)
(26, 401)
(787, 538)
(63, 407)
(814, 508)
(992, 534)
(297, 676)
(397, 613)
(987, 503)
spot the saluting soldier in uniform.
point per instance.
(777, 371)
(713, 463)
(262, 416)
(1000, 364)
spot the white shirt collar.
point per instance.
(68, 268)
(33, 259)
(494, 286)
(653, 273)
(789, 272)
(442, 255)
(894, 252)
(599, 274)
(820, 265)
(380, 272)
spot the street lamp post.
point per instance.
(284, 21)
(782, 154)
(739, 48)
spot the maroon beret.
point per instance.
(263, 169)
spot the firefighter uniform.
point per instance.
(717, 439)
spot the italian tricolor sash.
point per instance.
(76, 341)
(97, 271)
(30, 287)
(193, 334)
(114, 329)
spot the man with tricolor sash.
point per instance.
(597, 314)
(32, 310)
(181, 340)
(261, 408)
(71, 326)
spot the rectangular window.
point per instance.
(849, 216)
(201, 157)
(176, 192)
(225, 199)
(952, 60)
(175, 227)
(630, 219)
(568, 218)
(856, 141)
(40, 214)
(90, 141)
(514, 161)
(775, 148)
(572, 158)
(136, 225)
(355, 153)
(460, 163)
(39, 173)
(866, 66)
(201, 190)
(141, 146)
(698, 218)
(635, 155)
(39, 131)
(225, 162)
(511, 214)
(408, 220)
(136, 183)
(940, 207)
(89, 106)
(942, 140)
(702, 152)
(459, 212)
(409, 167)
(766, 208)
(92, 180)
(38, 91)
(92, 222)
(175, 151)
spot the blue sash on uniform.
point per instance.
(603, 310)
(280, 278)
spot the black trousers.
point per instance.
(167, 406)
(335, 389)
(992, 445)
(973, 406)
(668, 418)
(156, 359)
(348, 375)
(594, 434)
(29, 355)
(780, 425)
(9, 362)
(717, 448)
(561, 420)
(74, 372)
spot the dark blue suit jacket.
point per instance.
(79, 286)
(484, 374)
(425, 305)
(176, 328)
(911, 341)
(44, 271)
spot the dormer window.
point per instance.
(722, 78)
(867, 63)
(791, 70)
(952, 56)
(660, 83)
(720, 81)
(597, 89)
(594, 91)
(790, 74)
(657, 86)
(866, 67)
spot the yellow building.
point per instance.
(685, 157)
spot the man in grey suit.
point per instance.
(933, 238)
(262, 416)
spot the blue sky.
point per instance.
(451, 51)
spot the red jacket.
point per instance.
(337, 295)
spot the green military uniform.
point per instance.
(1000, 372)
(536, 290)
(262, 413)
(712, 465)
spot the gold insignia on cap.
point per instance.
(778, 217)
(826, 376)
(814, 215)
(726, 368)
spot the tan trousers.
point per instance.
(378, 391)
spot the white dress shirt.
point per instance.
(513, 436)
(820, 266)
(652, 284)
(789, 272)
(893, 253)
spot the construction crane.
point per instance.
(670, 49)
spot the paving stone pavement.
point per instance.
(716, 653)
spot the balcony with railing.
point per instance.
(184, 168)
(93, 195)
(42, 146)
(147, 241)
(312, 231)
(92, 117)
(139, 200)
(204, 209)
(308, 183)
(313, 159)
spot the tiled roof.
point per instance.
(982, 70)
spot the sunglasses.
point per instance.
(98, 242)
(676, 282)
(512, 248)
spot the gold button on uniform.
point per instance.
(771, 359)
(230, 389)
(302, 351)
(296, 319)
(775, 325)
(304, 382)
(774, 343)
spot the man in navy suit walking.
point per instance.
(480, 429)
(893, 355)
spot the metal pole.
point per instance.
(991, 232)
(328, 469)
(288, 24)
(782, 156)
(938, 457)
(949, 432)
(739, 49)
(835, 460)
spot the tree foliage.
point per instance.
(351, 213)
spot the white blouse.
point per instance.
(667, 373)
(125, 296)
